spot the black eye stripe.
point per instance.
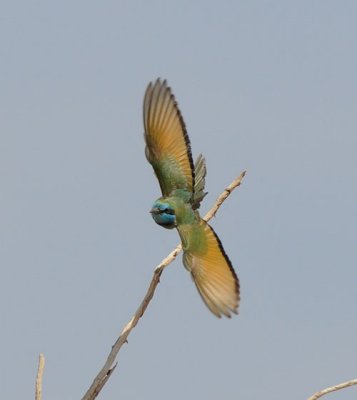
(167, 211)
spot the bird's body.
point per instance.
(182, 184)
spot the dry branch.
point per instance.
(109, 365)
(340, 386)
(41, 366)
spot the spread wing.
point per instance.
(210, 268)
(168, 147)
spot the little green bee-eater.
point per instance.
(182, 183)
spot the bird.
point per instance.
(182, 183)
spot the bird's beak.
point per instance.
(154, 211)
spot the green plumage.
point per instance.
(182, 185)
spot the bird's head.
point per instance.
(163, 214)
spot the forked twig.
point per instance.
(109, 365)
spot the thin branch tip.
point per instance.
(40, 369)
(335, 388)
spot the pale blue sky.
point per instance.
(267, 86)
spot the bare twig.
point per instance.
(222, 197)
(340, 386)
(41, 366)
(108, 367)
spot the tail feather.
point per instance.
(200, 180)
(211, 271)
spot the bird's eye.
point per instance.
(169, 211)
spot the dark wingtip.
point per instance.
(236, 279)
(185, 134)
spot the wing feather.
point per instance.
(167, 144)
(211, 269)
